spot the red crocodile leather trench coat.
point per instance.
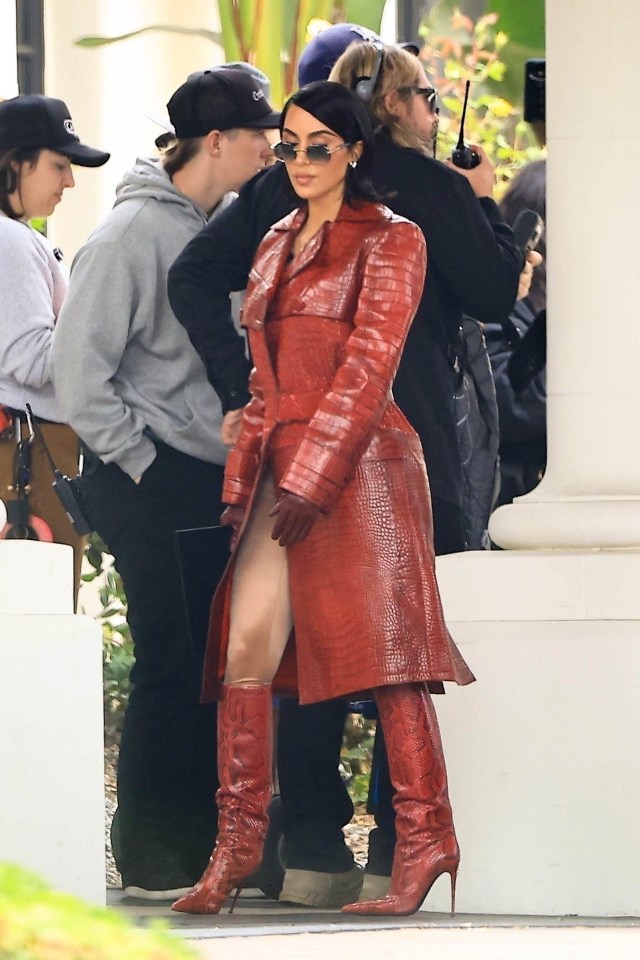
(326, 331)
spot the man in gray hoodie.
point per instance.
(134, 389)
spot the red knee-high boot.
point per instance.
(426, 845)
(245, 746)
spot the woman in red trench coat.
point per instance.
(329, 498)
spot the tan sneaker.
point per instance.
(374, 887)
(329, 891)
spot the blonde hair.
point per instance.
(399, 71)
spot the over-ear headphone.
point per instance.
(365, 87)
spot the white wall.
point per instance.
(8, 63)
(111, 90)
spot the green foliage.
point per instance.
(117, 645)
(474, 50)
(355, 757)
(37, 923)
(522, 21)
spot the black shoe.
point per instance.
(153, 870)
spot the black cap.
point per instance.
(36, 122)
(220, 99)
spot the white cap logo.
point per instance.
(68, 125)
(258, 95)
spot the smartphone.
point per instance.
(527, 230)
(534, 91)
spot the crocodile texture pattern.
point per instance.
(426, 845)
(326, 331)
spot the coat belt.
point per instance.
(289, 407)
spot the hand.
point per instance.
(534, 259)
(231, 424)
(482, 178)
(296, 517)
(233, 517)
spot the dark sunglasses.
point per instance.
(428, 93)
(316, 153)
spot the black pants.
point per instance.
(167, 774)
(167, 763)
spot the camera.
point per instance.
(535, 91)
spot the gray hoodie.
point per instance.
(124, 369)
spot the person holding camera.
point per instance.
(38, 146)
(136, 392)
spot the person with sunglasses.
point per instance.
(327, 492)
(474, 268)
(38, 146)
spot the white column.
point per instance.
(8, 52)
(112, 91)
(590, 495)
(542, 753)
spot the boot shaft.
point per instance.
(245, 757)
(416, 759)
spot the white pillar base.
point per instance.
(542, 752)
(51, 723)
(570, 523)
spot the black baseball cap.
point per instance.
(36, 122)
(220, 99)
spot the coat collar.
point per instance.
(268, 269)
(364, 212)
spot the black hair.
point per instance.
(344, 113)
(10, 176)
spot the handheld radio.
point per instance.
(463, 156)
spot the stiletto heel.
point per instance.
(454, 877)
(235, 898)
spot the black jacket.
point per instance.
(522, 413)
(473, 267)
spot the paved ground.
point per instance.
(260, 929)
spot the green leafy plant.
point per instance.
(117, 644)
(38, 923)
(355, 757)
(474, 50)
(522, 21)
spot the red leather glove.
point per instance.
(233, 517)
(295, 518)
